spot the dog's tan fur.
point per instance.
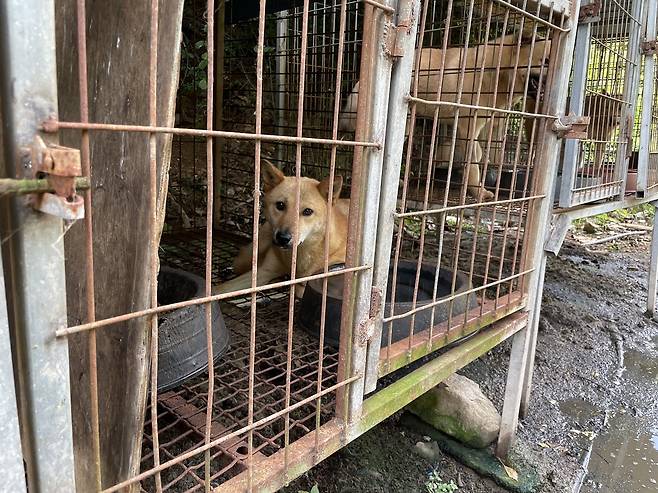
(495, 90)
(604, 112)
(275, 261)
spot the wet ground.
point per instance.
(593, 420)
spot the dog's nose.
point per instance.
(283, 238)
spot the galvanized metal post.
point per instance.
(519, 373)
(11, 458)
(409, 12)
(378, 80)
(281, 67)
(652, 285)
(572, 147)
(647, 101)
(35, 242)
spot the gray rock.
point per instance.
(428, 450)
(458, 408)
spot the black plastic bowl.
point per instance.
(182, 347)
(311, 303)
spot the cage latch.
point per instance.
(590, 12)
(367, 327)
(571, 126)
(649, 47)
(393, 36)
(60, 166)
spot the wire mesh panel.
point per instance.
(261, 372)
(604, 90)
(466, 184)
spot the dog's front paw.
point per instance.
(485, 195)
(299, 290)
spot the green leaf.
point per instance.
(315, 489)
(203, 84)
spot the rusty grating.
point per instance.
(181, 412)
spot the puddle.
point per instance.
(624, 458)
(642, 365)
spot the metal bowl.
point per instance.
(311, 304)
(182, 347)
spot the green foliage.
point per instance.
(314, 489)
(436, 485)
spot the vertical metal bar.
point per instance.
(218, 111)
(631, 82)
(409, 10)
(89, 241)
(539, 212)
(210, 164)
(11, 458)
(36, 248)
(281, 75)
(573, 147)
(653, 270)
(647, 101)
(377, 93)
(154, 233)
(254, 251)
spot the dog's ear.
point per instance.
(324, 185)
(272, 176)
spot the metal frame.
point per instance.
(11, 459)
(34, 249)
(647, 163)
(616, 22)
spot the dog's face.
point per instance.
(280, 192)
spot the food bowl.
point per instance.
(311, 304)
(182, 346)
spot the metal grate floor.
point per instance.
(182, 411)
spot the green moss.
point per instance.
(425, 408)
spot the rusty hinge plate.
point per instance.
(649, 47)
(590, 12)
(366, 329)
(60, 166)
(571, 127)
(393, 36)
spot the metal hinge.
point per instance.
(590, 12)
(60, 166)
(649, 47)
(393, 36)
(366, 328)
(571, 126)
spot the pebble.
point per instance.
(429, 451)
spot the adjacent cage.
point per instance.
(395, 156)
(604, 88)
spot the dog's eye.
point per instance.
(307, 211)
(280, 206)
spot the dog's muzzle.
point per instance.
(282, 239)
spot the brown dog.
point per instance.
(480, 64)
(277, 234)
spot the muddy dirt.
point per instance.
(593, 419)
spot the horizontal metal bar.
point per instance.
(236, 433)
(447, 300)
(413, 100)
(534, 17)
(198, 301)
(466, 206)
(54, 126)
(10, 185)
(381, 6)
(589, 210)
